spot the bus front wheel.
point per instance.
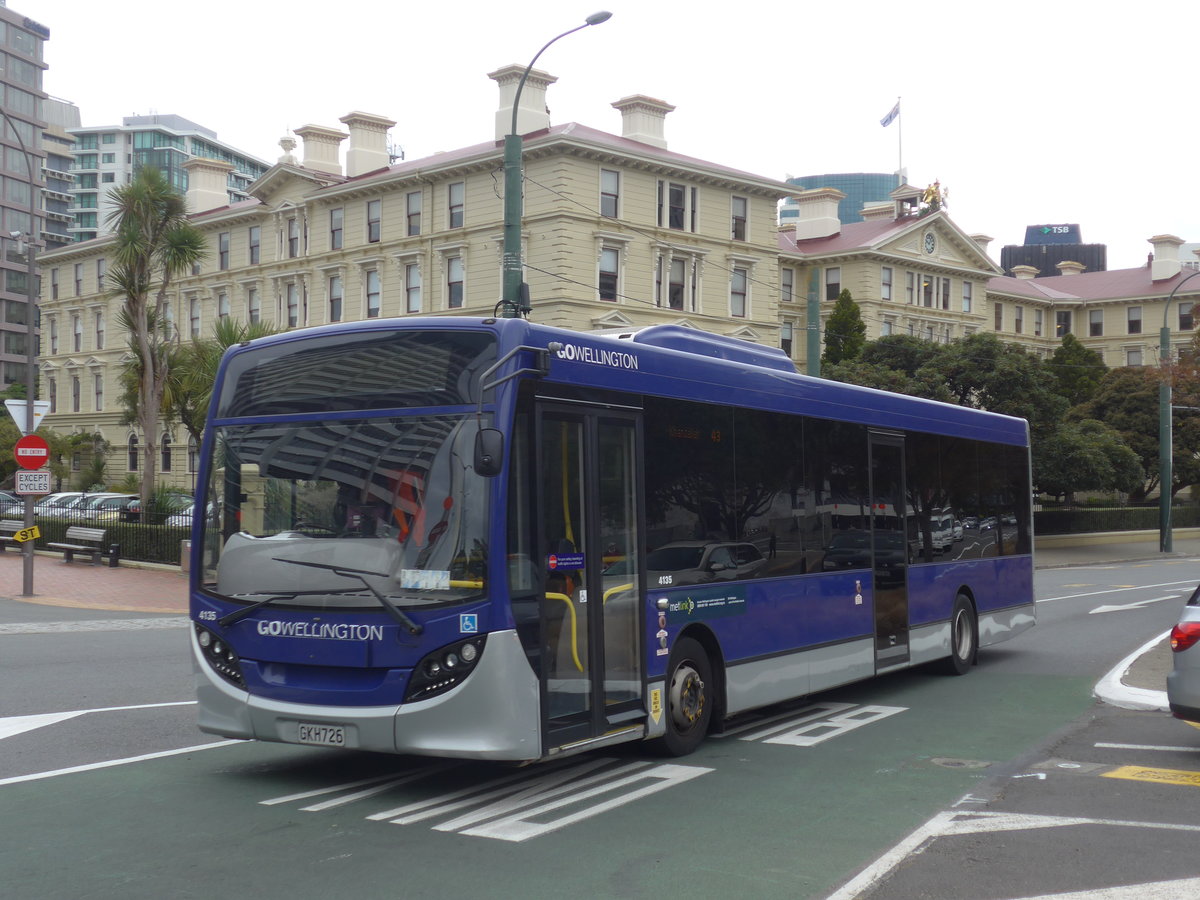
(964, 638)
(689, 698)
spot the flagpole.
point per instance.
(900, 144)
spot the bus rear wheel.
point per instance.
(689, 698)
(964, 638)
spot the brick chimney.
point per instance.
(1025, 273)
(818, 213)
(1166, 262)
(642, 119)
(321, 146)
(533, 114)
(208, 183)
(1070, 267)
(368, 142)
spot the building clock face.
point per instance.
(930, 242)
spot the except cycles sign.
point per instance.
(31, 452)
(33, 482)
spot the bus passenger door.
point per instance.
(889, 541)
(591, 617)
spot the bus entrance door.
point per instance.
(891, 551)
(590, 614)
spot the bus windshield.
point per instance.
(336, 514)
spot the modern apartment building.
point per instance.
(21, 68)
(108, 155)
(59, 146)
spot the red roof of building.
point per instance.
(1117, 284)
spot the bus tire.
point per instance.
(689, 698)
(964, 638)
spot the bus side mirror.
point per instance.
(489, 452)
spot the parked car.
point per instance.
(55, 504)
(184, 516)
(175, 503)
(702, 562)
(1183, 683)
(888, 551)
(103, 507)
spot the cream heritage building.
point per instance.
(618, 233)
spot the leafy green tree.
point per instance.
(845, 331)
(1127, 401)
(1077, 370)
(153, 244)
(1085, 456)
(982, 371)
(195, 371)
(901, 352)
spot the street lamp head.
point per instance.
(597, 17)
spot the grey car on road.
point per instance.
(1183, 683)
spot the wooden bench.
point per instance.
(82, 540)
(8, 528)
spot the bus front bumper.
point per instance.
(493, 714)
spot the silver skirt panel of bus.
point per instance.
(765, 681)
(491, 715)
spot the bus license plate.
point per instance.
(325, 735)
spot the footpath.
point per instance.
(1136, 683)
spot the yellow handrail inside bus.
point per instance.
(571, 614)
(616, 590)
(465, 584)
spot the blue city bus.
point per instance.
(493, 539)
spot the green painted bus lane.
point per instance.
(742, 815)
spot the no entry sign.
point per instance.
(31, 452)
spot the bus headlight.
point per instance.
(220, 656)
(443, 669)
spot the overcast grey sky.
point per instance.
(1027, 112)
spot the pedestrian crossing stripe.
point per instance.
(1161, 776)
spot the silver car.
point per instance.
(1183, 684)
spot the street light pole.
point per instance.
(30, 341)
(512, 302)
(1165, 436)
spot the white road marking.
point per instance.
(114, 762)
(814, 733)
(1112, 690)
(788, 720)
(1105, 746)
(962, 823)
(1120, 590)
(12, 725)
(1135, 605)
(505, 808)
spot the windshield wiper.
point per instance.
(393, 610)
(238, 614)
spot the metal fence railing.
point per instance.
(149, 541)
